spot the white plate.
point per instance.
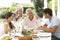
(44, 34)
(40, 30)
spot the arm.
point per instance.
(24, 23)
(5, 28)
(53, 27)
(52, 30)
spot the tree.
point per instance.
(50, 5)
(39, 4)
(9, 9)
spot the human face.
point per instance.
(19, 13)
(46, 15)
(30, 14)
(11, 18)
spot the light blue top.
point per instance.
(51, 23)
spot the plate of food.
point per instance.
(27, 32)
(6, 38)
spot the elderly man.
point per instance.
(31, 21)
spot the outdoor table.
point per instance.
(41, 36)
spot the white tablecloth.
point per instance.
(43, 36)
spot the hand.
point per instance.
(44, 28)
(39, 28)
(34, 36)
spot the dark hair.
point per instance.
(9, 14)
(11, 25)
(49, 11)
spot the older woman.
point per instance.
(31, 20)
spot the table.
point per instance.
(41, 36)
(25, 38)
(44, 36)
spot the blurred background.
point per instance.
(36, 5)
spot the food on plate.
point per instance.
(6, 38)
(27, 32)
(25, 38)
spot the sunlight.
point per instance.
(8, 3)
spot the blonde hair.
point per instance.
(18, 8)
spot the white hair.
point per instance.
(28, 10)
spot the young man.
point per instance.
(53, 24)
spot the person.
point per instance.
(18, 19)
(52, 24)
(18, 13)
(18, 16)
(30, 21)
(8, 26)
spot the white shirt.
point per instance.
(2, 26)
(18, 24)
(34, 23)
(1, 29)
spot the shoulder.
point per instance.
(26, 18)
(5, 23)
(54, 18)
(36, 16)
(55, 21)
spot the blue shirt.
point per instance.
(54, 22)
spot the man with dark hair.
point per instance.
(49, 11)
(53, 24)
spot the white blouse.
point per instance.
(2, 28)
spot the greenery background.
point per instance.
(38, 7)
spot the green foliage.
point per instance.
(4, 11)
(39, 4)
(8, 9)
(55, 6)
(50, 5)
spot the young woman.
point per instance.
(8, 26)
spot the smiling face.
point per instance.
(19, 13)
(46, 15)
(30, 14)
(11, 18)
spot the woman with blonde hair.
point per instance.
(18, 13)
